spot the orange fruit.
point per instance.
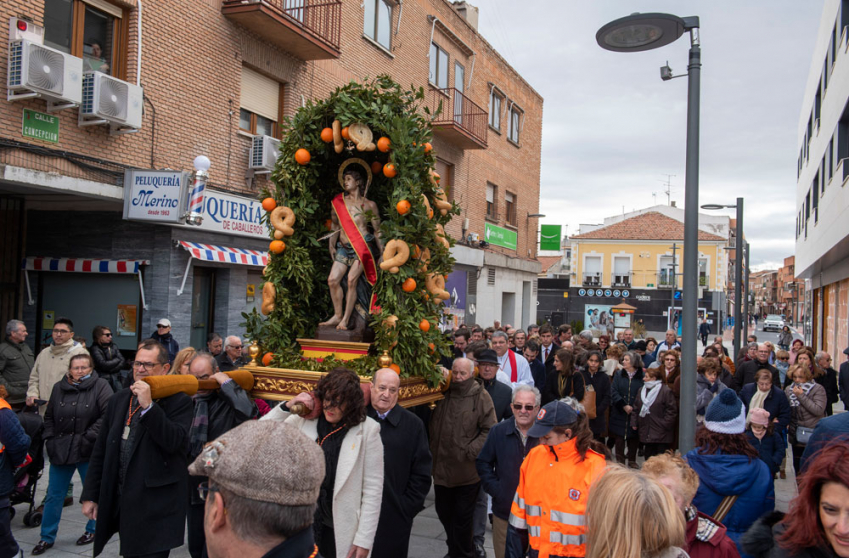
(416, 252)
(327, 135)
(277, 246)
(269, 204)
(345, 133)
(389, 170)
(431, 348)
(266, 359)
(384, 144)
(328, 224)
(402, 207)
(430, 214)
(377, 167)
(424, 325)
(396, 368)
(409, 285)
(302, 156)
(428, 147)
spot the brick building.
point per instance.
(764, 292)
(215, 74)
(791, 291)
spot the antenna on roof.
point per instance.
(668, 190)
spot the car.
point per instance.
(773, 322)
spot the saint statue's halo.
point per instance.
(360, 162)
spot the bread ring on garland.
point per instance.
(282, 218)
(269, 293)
(396, 254)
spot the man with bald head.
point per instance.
(406, 466)
(231, 357)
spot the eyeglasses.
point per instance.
(62, 331)
(80, 368)
(783, 358)
(527, 407)
(235, 346)
(148, 366)
(160, 326)
(204, 489)
(107, 335)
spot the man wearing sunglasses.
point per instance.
(163, 335)
(231, 357)
(137, 481)
(51, 365)
(501, 458)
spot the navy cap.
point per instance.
(556, 413)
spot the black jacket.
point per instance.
(745, 373)
(150, 513)
(406, 480)
(169, 343)
(229, 407)
(760, 541)
(623, 392)
(107, 358)
(499, 462)
(573, 386)
(225, 364)
(16, 443)
(502, 397)
(72, 419)
(829, 382)
(601, 384)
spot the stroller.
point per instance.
(26, 476)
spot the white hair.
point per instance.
(229, 341)
(521, 388)
(12, 326)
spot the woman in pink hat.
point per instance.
(762, 435)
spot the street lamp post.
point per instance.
(746, 295)
(639, 32)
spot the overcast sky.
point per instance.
(612, 129)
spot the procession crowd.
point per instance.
(538, 434)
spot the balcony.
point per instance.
(457, 119)
(621, 280)
(667, 280)
(308, 29)
(592, 280)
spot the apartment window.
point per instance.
(438, 66)
(491, 208)
(495, 100)
(260, 110)
(703, 273)
(513, 126)
(815, 197)
(510, 208)
(446, 177)
(829, 159)
(377, 22)
(93, 30)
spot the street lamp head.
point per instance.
(712, 206)
(538, 215)
(638, 32)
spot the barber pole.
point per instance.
(195, 211)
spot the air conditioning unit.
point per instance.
(39, 71)
(264, 153)
(107, 100)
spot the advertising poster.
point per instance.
(126, 320)
(456, 304)
(599, 318)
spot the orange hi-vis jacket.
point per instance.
(551, 498)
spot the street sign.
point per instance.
(40, 126)
(499, 236)
(678, 295)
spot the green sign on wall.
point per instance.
(549, 237)
(500, 236)
(40, 126)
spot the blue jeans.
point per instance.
(57, 488)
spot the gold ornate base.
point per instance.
(282, 384)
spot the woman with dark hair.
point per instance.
(816, 525)
(731, 474)
(795, 348)
(601, 384)
(108, 360)
(567, 381)
(554, 482)
(785, 338)
(603, 343)
(71, 423)
(655, 413)
(672, 370)
(351, 493)
(624, 388)
(807, 406)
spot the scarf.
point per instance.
(649, 395)
(806, 387)
(757, 402)
(200, 425)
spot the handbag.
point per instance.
(589, 398)
(803, 435)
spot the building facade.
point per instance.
(638, 259)
(207, 78)
(822, 200)
(764, 292)
(790, 291)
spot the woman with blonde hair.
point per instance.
(183, 360)
(630, 515)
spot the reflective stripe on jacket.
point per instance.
(551, 498)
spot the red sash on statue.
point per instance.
(358, 243)
(514, 374)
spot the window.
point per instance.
(377, 22)
(93, 30)
(513, 126)
(815, 196)
(446, 178)
(510, 208)
(438, 75)
(495, 109)
(703, 273)
(829, 159)
(491, 209)
(259, 110)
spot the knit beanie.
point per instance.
(759, 416)
(726, 414)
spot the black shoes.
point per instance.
(41, 548)
(87, 538)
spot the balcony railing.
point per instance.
(666, 280)
(458, 119)
(308, 29)
(621, 280)
(592, 280)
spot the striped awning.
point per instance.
(224, 254)
(82, 265)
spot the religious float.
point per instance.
(358, 254)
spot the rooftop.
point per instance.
(646, 226)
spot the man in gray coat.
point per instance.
(16, 360)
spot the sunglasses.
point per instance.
(527, 407)
(783, 358)
(107, 334)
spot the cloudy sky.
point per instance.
(613, 130)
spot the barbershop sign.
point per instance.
(233, 215)
(151, 195)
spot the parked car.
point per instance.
(773, 322)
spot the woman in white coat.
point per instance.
(349, 500)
